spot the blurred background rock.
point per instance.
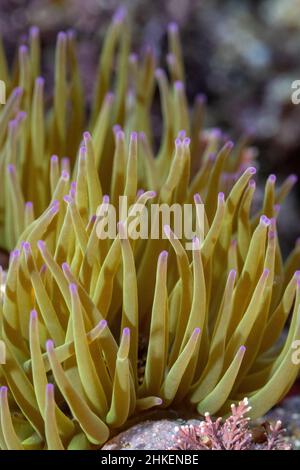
(243, 55)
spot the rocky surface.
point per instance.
(147, 435)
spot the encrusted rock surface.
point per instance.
(147, 435)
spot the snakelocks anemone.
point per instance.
(99, 330)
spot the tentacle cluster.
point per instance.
(77, 305)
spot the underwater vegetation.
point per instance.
(98, 331)
(232, 434)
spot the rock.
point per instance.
(148, 435)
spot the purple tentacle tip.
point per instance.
(119, 15)
(105, 199)
(140, 192)
(17, 91)
(87, 135)
(33, 315)
(178, 142)
(23, 49)
(61, 36)
(41, 245)
(49, 388)
(159, 73)
(265, 220)
(197, 331)
(65, 266)
(49, 345)
(67, 199)
(116, 128)
(43, 268)
(243, 348)
(232, 273)
(40, 81)
(54, 203)
(133, 58)
(15, 253)
(251, 170)
(181, 134)
(216, 133)
(11, 168)
(272, 178)
(34, 31)
(277, 208)
(173, 27)
(120, 135)
(293, 179)
(26, 246)
(126, 331)
(73, 288)
(103, 323)
(71, 33)
(178, 85)
(163, 255)
(229, 145)
(54, 209)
